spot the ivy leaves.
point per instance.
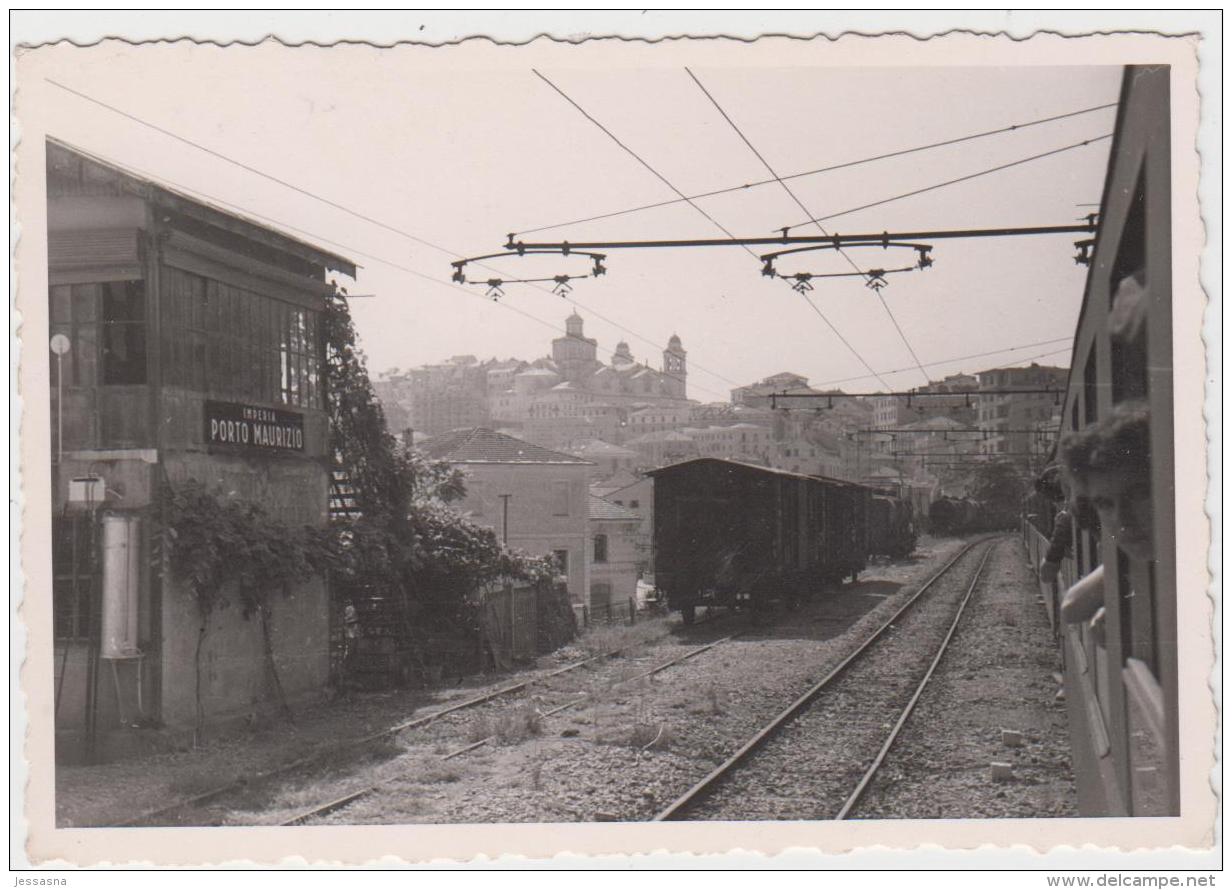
(404, 537)
(222, 547)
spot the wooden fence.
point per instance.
(606, 613)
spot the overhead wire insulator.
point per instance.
(561, 286)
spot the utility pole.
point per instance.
(59, 346)
(505, 517)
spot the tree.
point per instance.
(998, 487)
(403, 538)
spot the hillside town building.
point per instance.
(614, 557)
(554, 401)
(1010, 419)
(533, 498)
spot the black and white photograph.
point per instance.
(785, 436)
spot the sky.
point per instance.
(403, 167)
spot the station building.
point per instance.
(187, 344)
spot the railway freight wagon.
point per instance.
(735, 534)
(891, 527)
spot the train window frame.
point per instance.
(1090, 385)
(1139, 623)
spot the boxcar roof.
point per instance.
(749, 467)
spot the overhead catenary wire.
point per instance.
(575, 303)
(695, 206)
(138, 171)
(745, 139)
(959, 358)
(221, 202)
(356, 214)
(827, 169)
(945, 184)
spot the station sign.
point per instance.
(253, 428)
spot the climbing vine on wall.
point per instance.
(401, 537)
(232, 552)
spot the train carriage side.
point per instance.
(1122, 686)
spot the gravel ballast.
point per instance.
(992, 700)
(624, 750)
(632, 747)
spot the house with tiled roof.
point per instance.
(608, 459)
(661, 449)
(534, 498)
(613, 556)
(635, 494)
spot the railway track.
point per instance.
(163, 814)
(841, 717)
(345, 800)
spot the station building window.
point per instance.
(229, 341)
(73, 576)
(123, 319)
(600, 548)
(105, 323)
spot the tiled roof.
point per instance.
(934, 423)
(601, 509)
(621, 482)
(599, 448)
(668, 436)
(484, 446)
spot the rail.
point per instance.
(873, 768)
(225, 788)
(349, 798)
(678, 807)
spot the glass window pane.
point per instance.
(124, 301)
(61, 304)
(124, 354)
(84, 356)
(85, 303)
